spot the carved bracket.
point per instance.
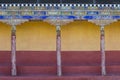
(14, 22)
(58, 21)
(102, 22)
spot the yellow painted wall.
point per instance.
(76, 36)
(36, 36)
(80, 36)
(5, 37)
(112, 36)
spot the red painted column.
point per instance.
(13, 51)
(102, 46)
(58, 50)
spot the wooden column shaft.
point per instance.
(102, 49)
(13, 51)
(58, 50)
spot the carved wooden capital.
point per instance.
(14, 22)
(102, 22)
(58, 22)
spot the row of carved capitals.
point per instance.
(57, 22)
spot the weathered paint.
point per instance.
(5, 37)
(36, 36)
(80, 36)
(112, 37)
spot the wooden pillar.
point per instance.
(102, 49)
(58, 21)
(102, 23)
(58, 50)
(13, 51)
(13, 23)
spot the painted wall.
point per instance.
(5, 37)
(112, 36)
(36, 36)
(80, 36)
(76, 36)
